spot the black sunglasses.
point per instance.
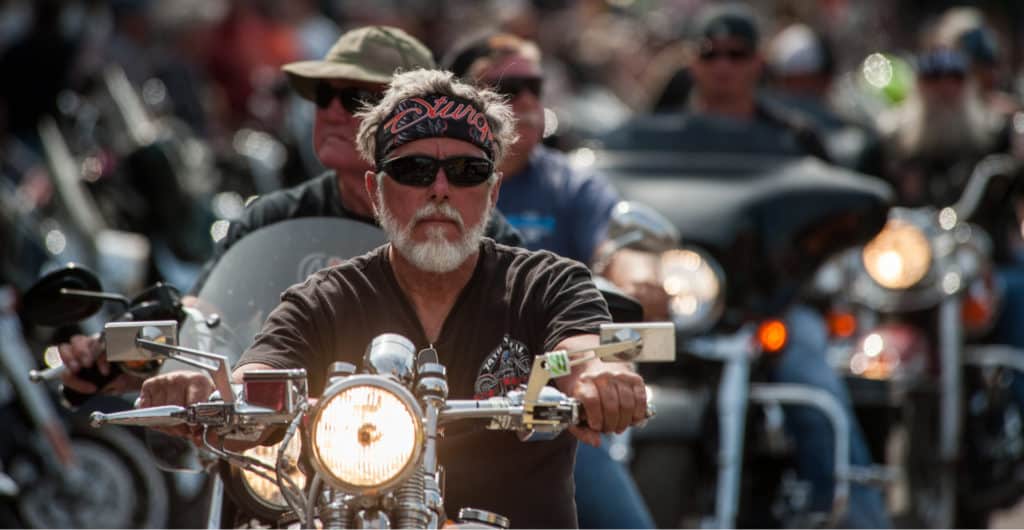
(351, 98)
(421, 170)
(733, 54)
(512, 86)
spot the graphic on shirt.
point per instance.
(503, 369)
(534, 226)
(315, 262)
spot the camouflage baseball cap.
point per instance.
(371, 53)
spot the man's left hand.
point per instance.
(613, 400)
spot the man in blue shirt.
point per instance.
(553, 205)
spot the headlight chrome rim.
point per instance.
(710, 308)
(404, 396)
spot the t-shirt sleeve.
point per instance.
(292, 334)
(572, 304)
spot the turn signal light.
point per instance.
(772, 336)
(841, 324)
(980, 305)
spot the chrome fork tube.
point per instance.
(732, 413)
(950, 417)
(216, 509)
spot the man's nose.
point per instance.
(440, 188)
(526, 97)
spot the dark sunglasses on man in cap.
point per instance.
(421, 170)
(513, 86)
(352, 98)
(710, 52)
(942, 64)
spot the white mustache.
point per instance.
(438, 209)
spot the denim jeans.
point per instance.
(803, 362)
(1009, 329)
(606, 496)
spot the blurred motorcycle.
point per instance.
(69, 475)
(140, 187)
(742, 237)
(60, 473)
(910, 312)
(66, 474)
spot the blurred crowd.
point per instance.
(173, 115)
(907, 80)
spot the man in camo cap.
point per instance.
(356, 70)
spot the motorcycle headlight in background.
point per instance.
(694, 283)
(366, 434)
(899, 256)
(265, 490)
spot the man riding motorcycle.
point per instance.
(725, 73)
(434, 142)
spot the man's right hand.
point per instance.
(82, 351)
(182, 388)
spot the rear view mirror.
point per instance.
(657, 342)
(641, 227)
(57, 298)
(120, 337)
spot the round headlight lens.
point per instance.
(694, 287)
(899, 256)
(365, 436)
(266, 490)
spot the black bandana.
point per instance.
(430, 117)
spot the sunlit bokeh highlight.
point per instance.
(877, 70)
(899, 256)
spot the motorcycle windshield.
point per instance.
(245, 286)
(247, 282)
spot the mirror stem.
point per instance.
(98, 295)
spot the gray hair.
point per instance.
(419, 83)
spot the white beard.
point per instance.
(959, 128)
(436, 254)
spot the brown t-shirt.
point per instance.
(517, 304)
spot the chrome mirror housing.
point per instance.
(639, 226)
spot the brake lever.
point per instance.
(164, 416)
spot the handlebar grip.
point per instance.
(581, 415)
(49, 374)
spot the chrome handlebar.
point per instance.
(553, 413)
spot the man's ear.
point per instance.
(370, 181)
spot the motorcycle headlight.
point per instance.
(366, 434)
(265, 490)
(694, 284)
(899, 256)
